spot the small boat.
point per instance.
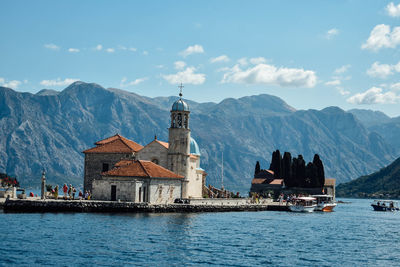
(303, 204)
(385, 205)
(325, 203)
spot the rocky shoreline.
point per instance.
(19, 205)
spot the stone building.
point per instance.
(180, 155)
(138, 181)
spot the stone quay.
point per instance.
(49, 205)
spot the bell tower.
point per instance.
(179, 140)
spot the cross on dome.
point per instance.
(180, 87)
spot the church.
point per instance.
(120, 169)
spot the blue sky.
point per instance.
(312, 54)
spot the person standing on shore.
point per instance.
(70, 191)
(56, 192)
(65, 190)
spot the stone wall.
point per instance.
(154, 151)
(156, 190)
(17, 205)
(94, 165)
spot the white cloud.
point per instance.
(333, 82)
(145, 53)
(58, 82)
(121, 47)
(382, 37)
(125, 83)
(110, 50)
(393, 10)
(222, 58)
(73, 50)
(374, 95)
(395, 86)
(257, 60)
(342, 69)
(271, 75)
(195, 49)
(187, 76)
(99, 47)
(52, 47)
(9, 84)
(342, 91)
(133, 49)
(380, 70)
(331, 33)
(179, 65)
(243, 61)
(160, 66)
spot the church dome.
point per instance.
(194, 147)
(180, 105)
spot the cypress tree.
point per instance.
(276, 163)
(286, 169)
(257, 168)
(294, 176)
(320, 173)
(301, 171)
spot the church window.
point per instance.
(173, 122)
(160, 191)
(105, 167)
(154, 161)
(186, 121)
(171, 192)
(179, 120)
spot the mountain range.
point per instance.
(384, 183)
(50, 129)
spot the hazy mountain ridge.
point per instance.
(383, 183)
(51, 130)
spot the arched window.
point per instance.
(179, 120)
(186, 121)
(173, 122)
(154, 161)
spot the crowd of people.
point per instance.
(69, 193)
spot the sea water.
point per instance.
(353, 235)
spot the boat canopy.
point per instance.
(306, 198)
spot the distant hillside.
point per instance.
(384, 183)
(50, 129)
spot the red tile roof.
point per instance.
(164, 144)
(141, 168)
(267, 181)
(330, 182)
(115, 144)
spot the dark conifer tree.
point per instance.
(276, 163)
(320, 173)
(301, 171)
(257, 168)
(294, 177)
(286, 169)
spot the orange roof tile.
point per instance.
(115, 144)
(330, 181)
(267, 181)
(164, 144)
(258, 180)
(141, 168)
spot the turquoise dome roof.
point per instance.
(180, 105)
(194, 147)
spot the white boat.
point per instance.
(325, 203)
(303, 204)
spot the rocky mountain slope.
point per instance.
(49, 130)
(384, 183)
